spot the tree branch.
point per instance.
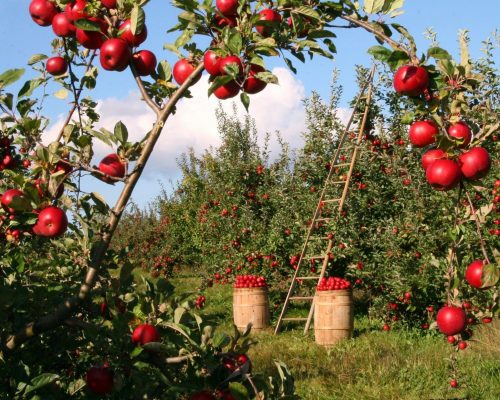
(142, 89)
(66, 309)
(366, 26)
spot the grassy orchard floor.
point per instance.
(399, 364)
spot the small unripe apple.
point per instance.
(56, 66)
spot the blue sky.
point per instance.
(22, 38)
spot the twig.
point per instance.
(142, 89)
(65, 310)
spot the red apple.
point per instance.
(144, 62)
(109, 3)
(17, 195)
(475, 163)
(221, 22)
(132, 40)
(62, 26)
(411, 80)
(226, 395)
(423, 133)
(182, 70)
(113, 166)
(203, 395)
(56, 66)
(100, 380)
(92, 39)
(432, 155)
(230, 60)
(228, 8)
(272, 18)
(211, 63)
(474, 274)
(451, 320)
(52, 222)
(145, 333)
(76, 10)
(443, 174)
(462, 132)
(114, 55)
(252, 84)
(42, 12)
(227, 91)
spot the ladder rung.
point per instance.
(294, 319)
(336, 182)
(302, 298)
(306, 277)
(330, 201)
(324, 219)
(342, 165)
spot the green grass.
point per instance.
(399, 364)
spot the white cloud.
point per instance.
(277, 108)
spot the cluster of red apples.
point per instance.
(333, 283)
(443, 170)
(249, 281)
(115, 43)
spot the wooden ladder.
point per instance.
(348, 144)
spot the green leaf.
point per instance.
(164, 71)
(218, 82)
(397, 59)
(121, 132)
(137, 19)
(61, 94)
(245, 100)
(380, 53)
(438, 53)
(41, 381)
(235, 43)
(100, 202)
(220, 340)
(490, 275)
(104, 136)
(308, 12)
(36, 58)
(178, 313)
(10, 76)
(87, 25)
(239, 391)
(373, 6)
(29, 87)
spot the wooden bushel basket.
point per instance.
(333, 316)
(251, 305)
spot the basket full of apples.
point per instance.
(250, 302)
